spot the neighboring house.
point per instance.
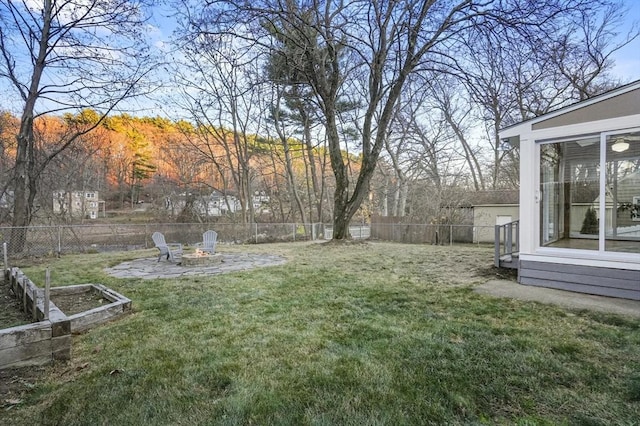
(85, 204)
(261, 202)
(216, 204)
(210, 205)
(579, 165)
(492, 208)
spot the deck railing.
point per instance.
(507, 240)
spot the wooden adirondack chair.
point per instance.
(166, 249)
(209, 240)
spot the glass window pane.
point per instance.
(569, 193)
(622, 231)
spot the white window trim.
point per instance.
(568, 253)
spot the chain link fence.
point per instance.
(56, 240)
(42, 241)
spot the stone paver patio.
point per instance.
(150, 268)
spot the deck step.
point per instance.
(510, 261)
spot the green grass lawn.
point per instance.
(357, 334)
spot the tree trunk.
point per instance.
(341, 211)
(25, 157)
(315, 197)
(21, 211)
(292, 181)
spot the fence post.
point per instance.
(24, 294)
(6, 261)
(256, 231)
(47, 294)
(496, 245)
(450, 234)
(59, 240)
(34, 307)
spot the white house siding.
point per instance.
(77, 203)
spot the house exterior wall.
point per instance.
(530, 175)
(618, 272)
(484, 219)
(609, 282)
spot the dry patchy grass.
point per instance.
(369, 333)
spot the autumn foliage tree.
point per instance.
(59, 56)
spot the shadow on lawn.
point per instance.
(494, 273)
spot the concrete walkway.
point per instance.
(151, 269)
(567, 299)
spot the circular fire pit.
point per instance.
(200, 258)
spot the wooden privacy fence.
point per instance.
(417, 233)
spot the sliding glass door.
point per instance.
(570, 193)
(590, 192)
(622, 233)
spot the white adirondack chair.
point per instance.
(166, 249)
(209, 240)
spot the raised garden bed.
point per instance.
(11, 313)
(75, 303)
(48, 338)
(88, 305)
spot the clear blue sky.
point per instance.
(628, 58)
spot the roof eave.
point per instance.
(517, 128)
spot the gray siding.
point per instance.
(627, 103)
(610, 282)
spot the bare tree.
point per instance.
(8, 128)
(582, 55)
(427, 156)
(297, 108)
(279, 118)
(457, 112)
(80, 167)
(416, 146)
(338, 43)
(61, 56)
(510, 75)
(220, 91)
